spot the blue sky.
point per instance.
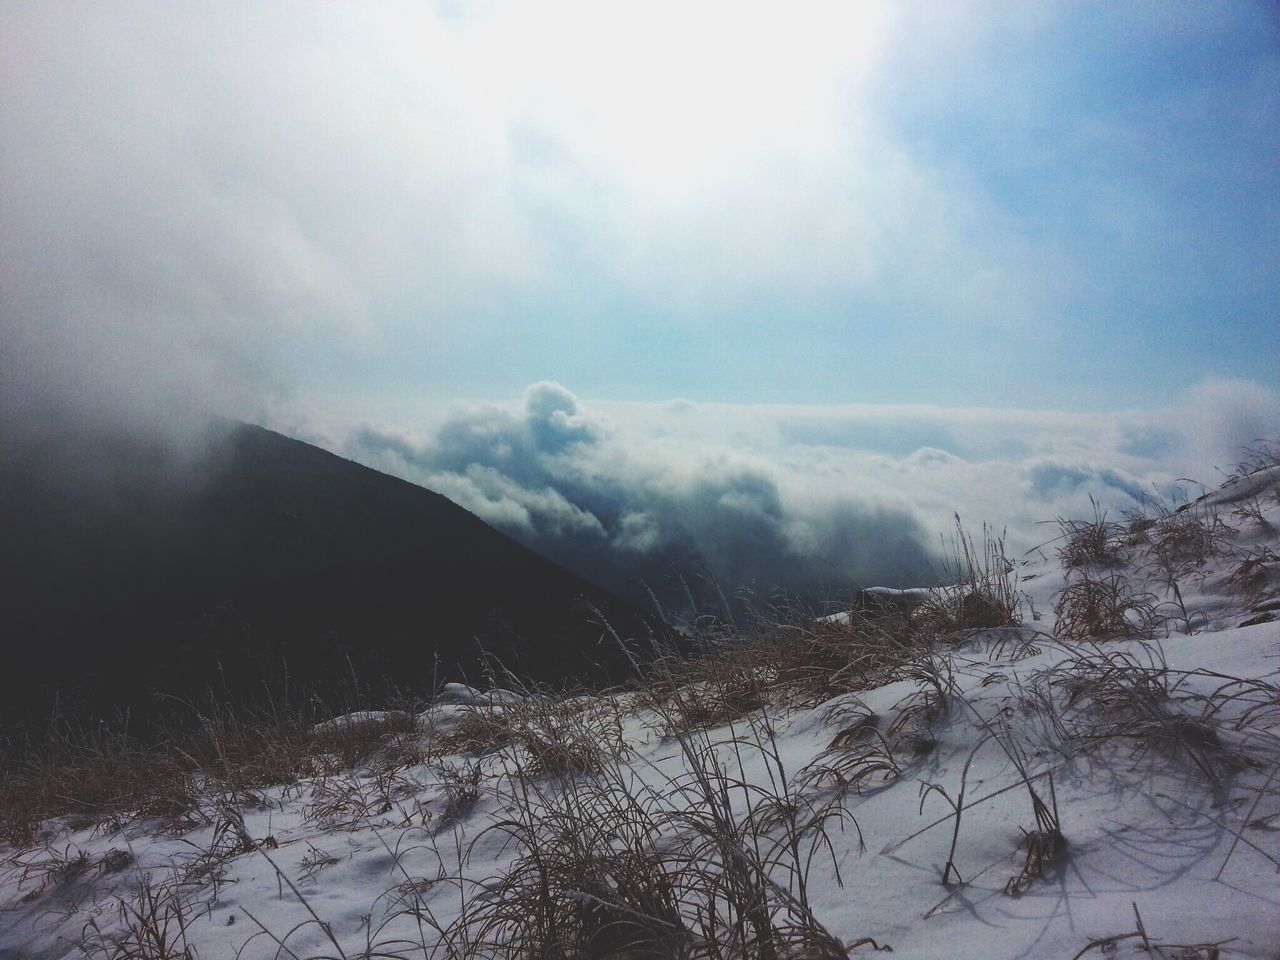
(887, 245)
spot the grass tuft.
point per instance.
(1091, 608)
(1096, 542)
(983, 591)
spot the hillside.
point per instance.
(129, 573)
(1066, 755)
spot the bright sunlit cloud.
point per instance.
(664, 98)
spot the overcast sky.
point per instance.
(745, 230)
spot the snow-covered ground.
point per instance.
(1115, 796)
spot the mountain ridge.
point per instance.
(266, 558)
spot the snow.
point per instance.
(885, 599)
(461, 694)
(331, 866)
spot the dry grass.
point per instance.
(1092, 608)
(351, 799)
(1184, 538)
(1154, 947)
(541, 733)
(99, 778)
(801, 659)
(461, 791)
(708, 862)
(152, 926)
(858, 758)
(983, 591)
(822, 659)
(703, 864)
(1261, 455)
(719, 695)
(862, 756)
(1044, 846)
(113, 779)
(588, 878)
(1251, 511)
(1096, 542)
(1131, 696)
(1256, 573)
(479, 730)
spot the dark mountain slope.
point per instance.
(126, 572)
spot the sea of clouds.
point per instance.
(654, 497)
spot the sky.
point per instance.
(782, 259)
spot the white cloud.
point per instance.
(799, 496)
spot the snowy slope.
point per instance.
(1118, 797)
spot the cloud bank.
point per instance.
(801, 498)
(644, 518)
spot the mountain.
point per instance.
(131, 571)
